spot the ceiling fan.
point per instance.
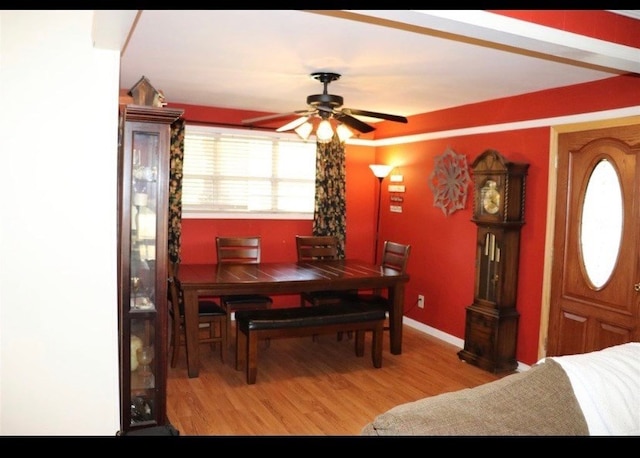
(326, 106)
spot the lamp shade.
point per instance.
(304, 126)
(344, 133)
(324, 132)
(304, 130)
(381, 170)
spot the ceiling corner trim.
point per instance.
(495, 30)
(112, 28)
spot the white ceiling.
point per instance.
(398, 62)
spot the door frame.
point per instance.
(551, 211)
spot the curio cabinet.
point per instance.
(143, 183)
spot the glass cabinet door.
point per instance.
(145, 159)
(142, 238)
(144, 211)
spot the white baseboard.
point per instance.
(447, 337)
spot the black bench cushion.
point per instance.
(292, 317)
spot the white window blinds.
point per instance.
(232, 173)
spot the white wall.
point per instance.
(58, 234)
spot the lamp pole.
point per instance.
(380, 171)
(375, 247)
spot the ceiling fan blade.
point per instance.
(293, 124)
(346, 119)
(373, 114)
(353, 122)
(273, 116)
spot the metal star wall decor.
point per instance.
(449, 181)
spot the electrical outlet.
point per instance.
(420, 301)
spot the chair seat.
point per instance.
(209, 313)
(372, 299)
(324, 296)
(246, 299)
(210, 308)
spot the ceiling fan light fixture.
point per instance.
(324, 132)
(344, 133)
(304, 130)
(328, 106)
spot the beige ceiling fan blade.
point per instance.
(273, 116)
(293, 124)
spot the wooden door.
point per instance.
(587, 314)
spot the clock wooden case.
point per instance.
(491, 326)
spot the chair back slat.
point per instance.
(314, 248)
(175, 291)
(238, 250)
(395, 256)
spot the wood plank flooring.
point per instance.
(308, 388)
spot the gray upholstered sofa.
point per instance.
(595, 393)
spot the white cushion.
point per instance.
(606, 384)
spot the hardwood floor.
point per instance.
(312, 388)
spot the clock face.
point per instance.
(490, 197)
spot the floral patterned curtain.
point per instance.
(175, 189)
(330, 202)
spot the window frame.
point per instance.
(199, 214)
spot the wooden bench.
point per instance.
(253, 325)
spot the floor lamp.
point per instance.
(380, 171)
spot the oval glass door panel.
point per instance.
(601, 229)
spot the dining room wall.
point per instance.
(58, 290)
(443, 253)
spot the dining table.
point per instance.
(284, 278)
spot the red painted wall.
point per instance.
(443, 247)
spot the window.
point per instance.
(233, 173)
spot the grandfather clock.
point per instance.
(491, 326)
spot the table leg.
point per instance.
(396, 294)
(191, 331)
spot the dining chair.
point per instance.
(395, 256)
(241, 250)
(320, 248)
(213, 319)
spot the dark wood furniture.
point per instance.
(316, 247)
(209, 313)
(241, 250)
(491, 328)
(395, 256)
(287, 278)
(312, 248)
(320, 248)
(253, 325)
(143, 181)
